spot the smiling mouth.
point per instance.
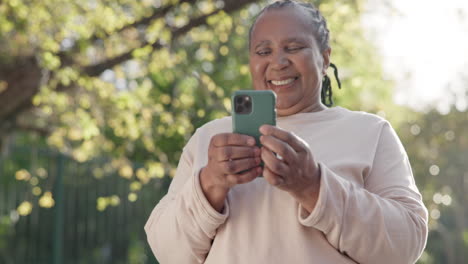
(283, 82)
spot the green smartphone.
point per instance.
(251, 109)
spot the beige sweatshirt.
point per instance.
(369, 209)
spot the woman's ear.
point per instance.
(326, 60)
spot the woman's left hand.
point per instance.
(295, 170)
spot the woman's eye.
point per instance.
(263, 52)
(293, 48)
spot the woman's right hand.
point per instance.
(232, 159)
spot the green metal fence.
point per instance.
(73, 230)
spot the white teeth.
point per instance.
(283, 82)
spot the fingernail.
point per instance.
(263, 129)
(251, 141)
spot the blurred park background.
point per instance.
(98, 97)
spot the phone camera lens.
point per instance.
(239, 108)
(243, 104)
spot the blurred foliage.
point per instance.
(143, 108)
(437, 146)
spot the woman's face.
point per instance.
(285, 58)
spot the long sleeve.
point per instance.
(183, 224)
(383, 221)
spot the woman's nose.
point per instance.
(280, 60)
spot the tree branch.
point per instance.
(96, 69)
(157, 13)
(145, 21)
(230, 6)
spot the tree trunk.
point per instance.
(21, 82)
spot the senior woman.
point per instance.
(342, 191)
